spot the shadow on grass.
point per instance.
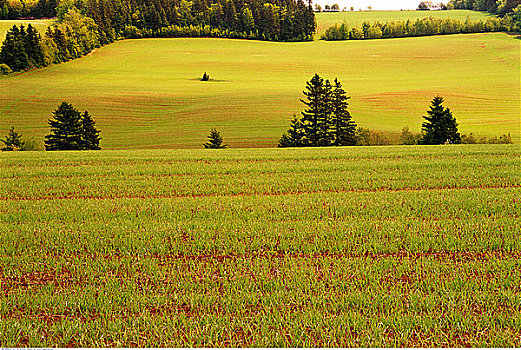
(208, 81)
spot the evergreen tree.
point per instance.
(295, 135)
(90, 135)
(66, 129)
(440, 126)
(32, 47)
(342, 125)
(312, 115)
(215, 140)
(13, 141)
(13, 52)
(325, 136)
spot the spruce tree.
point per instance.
(32, 47)
(342, 125)
(295, 135)
(215, 140)
(90, 135)
(312, 115)
(13, 141)
(13, 52)
(440, 126)
(325, 136)
(66, 129)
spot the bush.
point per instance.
(409, 138)
(366, 137)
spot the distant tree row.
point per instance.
(421, 27)
(429, 5)
(24, 48)
(327, 8)
(278, 20)
(500, 7)
(13, 9)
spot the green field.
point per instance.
(356, 18)
(40, 25)
(368, 246)
(146, 93)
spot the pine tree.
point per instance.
(66, 129)
(295, 135)
(342, 125)
(215, 140)
(440, 126)
(90, 135)
(13, 141)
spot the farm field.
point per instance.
(40, 25)
(367, 246)
(146, 93)
(356, 18)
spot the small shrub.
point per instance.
(366, 137)
(205, 77)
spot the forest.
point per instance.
(276, 20)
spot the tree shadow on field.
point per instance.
(209, 80)
(514, 35)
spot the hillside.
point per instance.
(146, 93)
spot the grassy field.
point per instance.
(40, 24)
(146, 93)
(371, 247)
(356, 18)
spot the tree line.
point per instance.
(277, 20)
(421, 27)
(24, 48)
(499, 7)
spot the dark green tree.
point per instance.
(90, 135)
(294, 137)
(66, 129)
(13, 52)
(312, 116)
(13, 141)
(32, 47)
(440, 126)
(325, 132)
(215, 140)
(342, 125)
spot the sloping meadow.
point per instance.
(373, 247)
